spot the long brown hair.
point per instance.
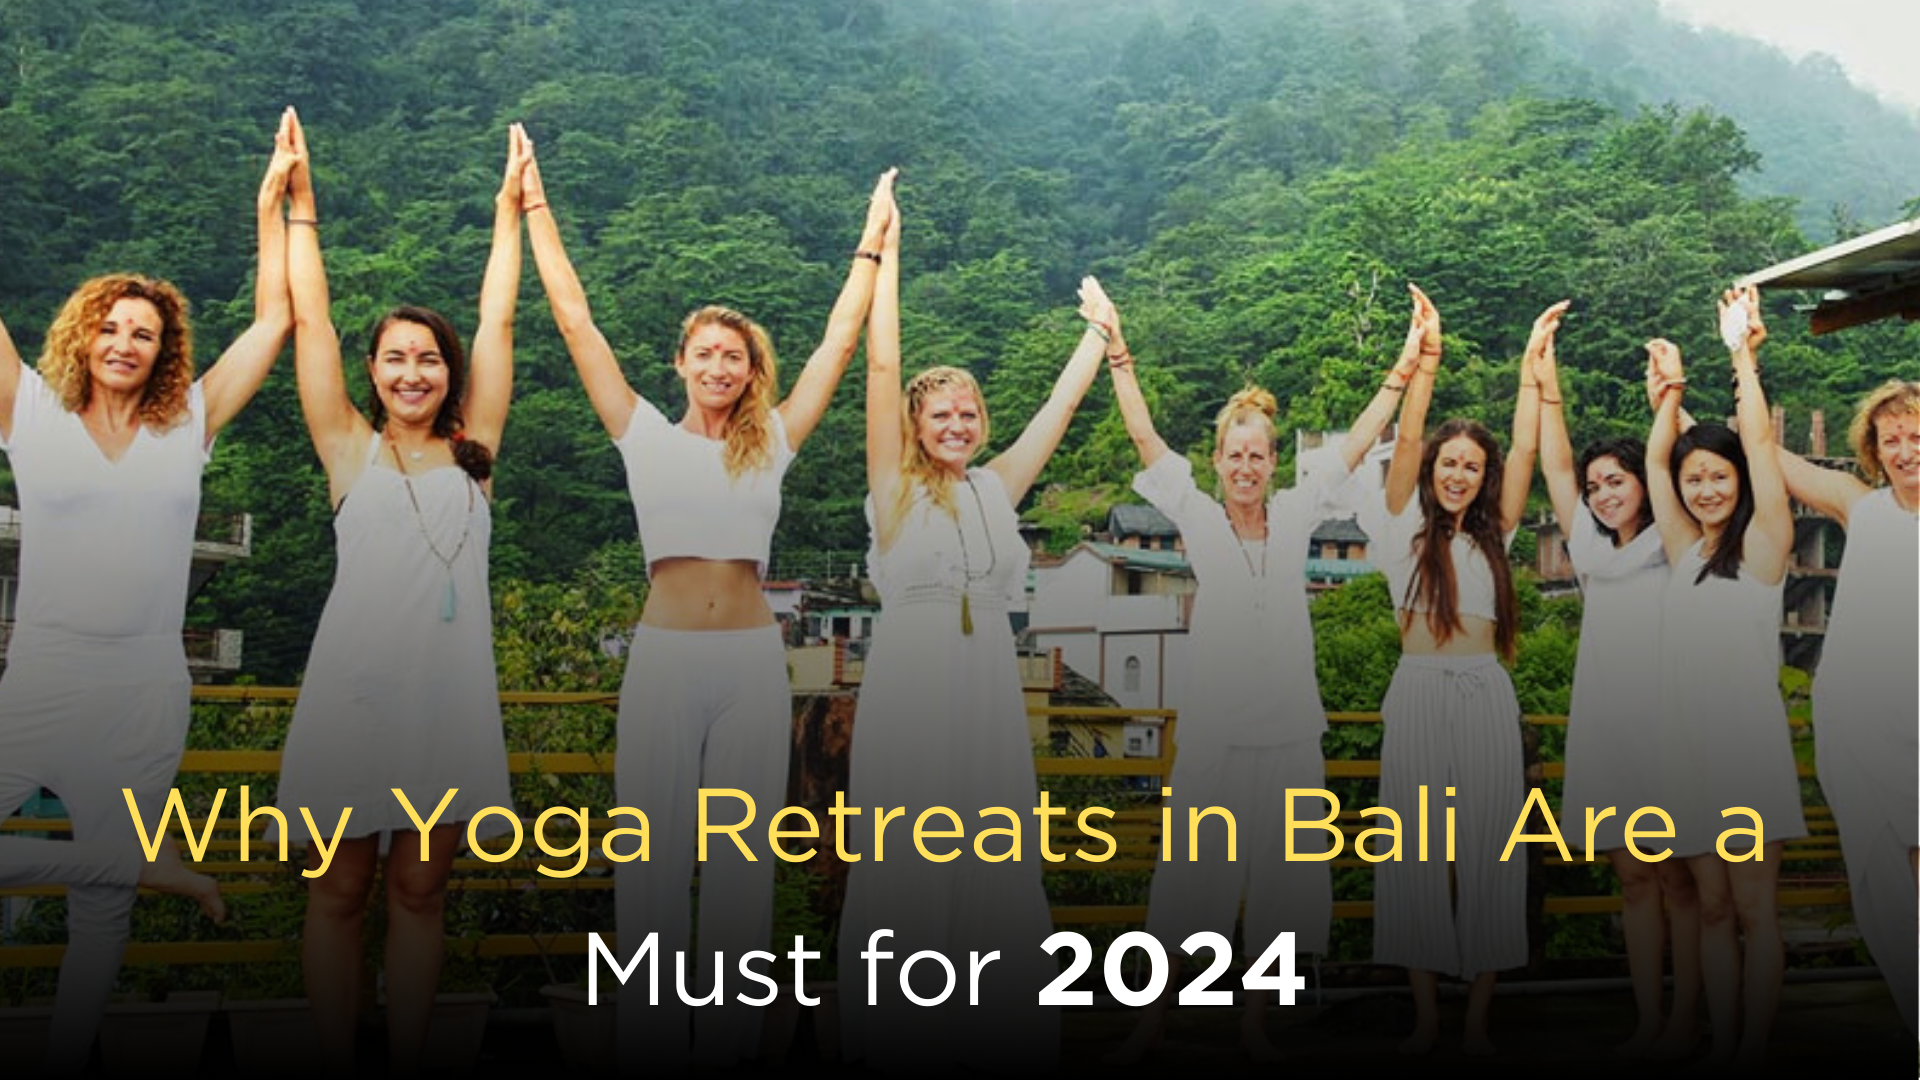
(63, 360)
(749, 441)
(1434, 586)
(449, 423)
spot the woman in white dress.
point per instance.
(107, 441)
(941, 720)
(400, 691)
(705, 702)
(1720, 502)
(1253, 724)
(1450, 717)
(1863, 692)
(1602, 506)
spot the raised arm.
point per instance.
(1404, 470)
(1020, 464)
(1373, 419)
(1556, 447)
(1829, 491)
(339, 432)
(490, 380)
(802, 410)
(1678, 530)
(1517, 476)
(607, 388)
(884, 447)
(1100, 312)
(9, 382)
(1769, 539)
(234, 378)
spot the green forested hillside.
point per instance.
(1254, 183)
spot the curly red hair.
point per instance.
(63, 362)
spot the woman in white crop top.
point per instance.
(107, 441)
(1451, 720)
(1251, 718)
(1720, 501)
(705, 701)
(1863, 695)
(941, 718)
(1616, 711)
(399, 691)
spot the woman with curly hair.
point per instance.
(1450, 717)
(1863, 696)
(942, 722)
(706, 701)
(1616, 712)
(107, 440)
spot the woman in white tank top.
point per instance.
(400, 691)
(107, 441)
(1720, 501)
(706, 701)
(1616, 712)
(1863, 692)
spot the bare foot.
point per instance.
(172, 877)
(1258, 1048)
(1476, 1044)
(1421, 1041)
(1677, 1043)
(1144, 1041)
(1644, 1044)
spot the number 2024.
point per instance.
(1196, 992)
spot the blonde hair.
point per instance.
(63, 361)
(917, 470)
(750, 428)
(1890, 398)
(1250, 405)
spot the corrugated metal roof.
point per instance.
(1880, 260)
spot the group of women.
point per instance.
(1688, 535)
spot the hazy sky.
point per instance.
(1875, 40)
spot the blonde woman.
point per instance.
(941, 719)
(1252, 726)
(1863, 694)
(705, 702)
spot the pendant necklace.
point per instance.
(445, 559)
(966, 563)
(1259, 575)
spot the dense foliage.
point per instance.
(1254, 181)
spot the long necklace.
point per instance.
(966, 563)
(1259, 575)
(447, 602)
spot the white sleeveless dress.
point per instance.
(1727, 741)
(941, 721)
(400, 689)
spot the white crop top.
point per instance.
(686, 504)
(1390, 547)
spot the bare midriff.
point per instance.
(705, 594)
(1417, 639)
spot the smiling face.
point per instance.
(1896, 443)
(949, 426)
(1459, 470)
(1244, 460)
(410, 374)
(125, 346)
(1615, 496)
(716, 365)
(1710, 488)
